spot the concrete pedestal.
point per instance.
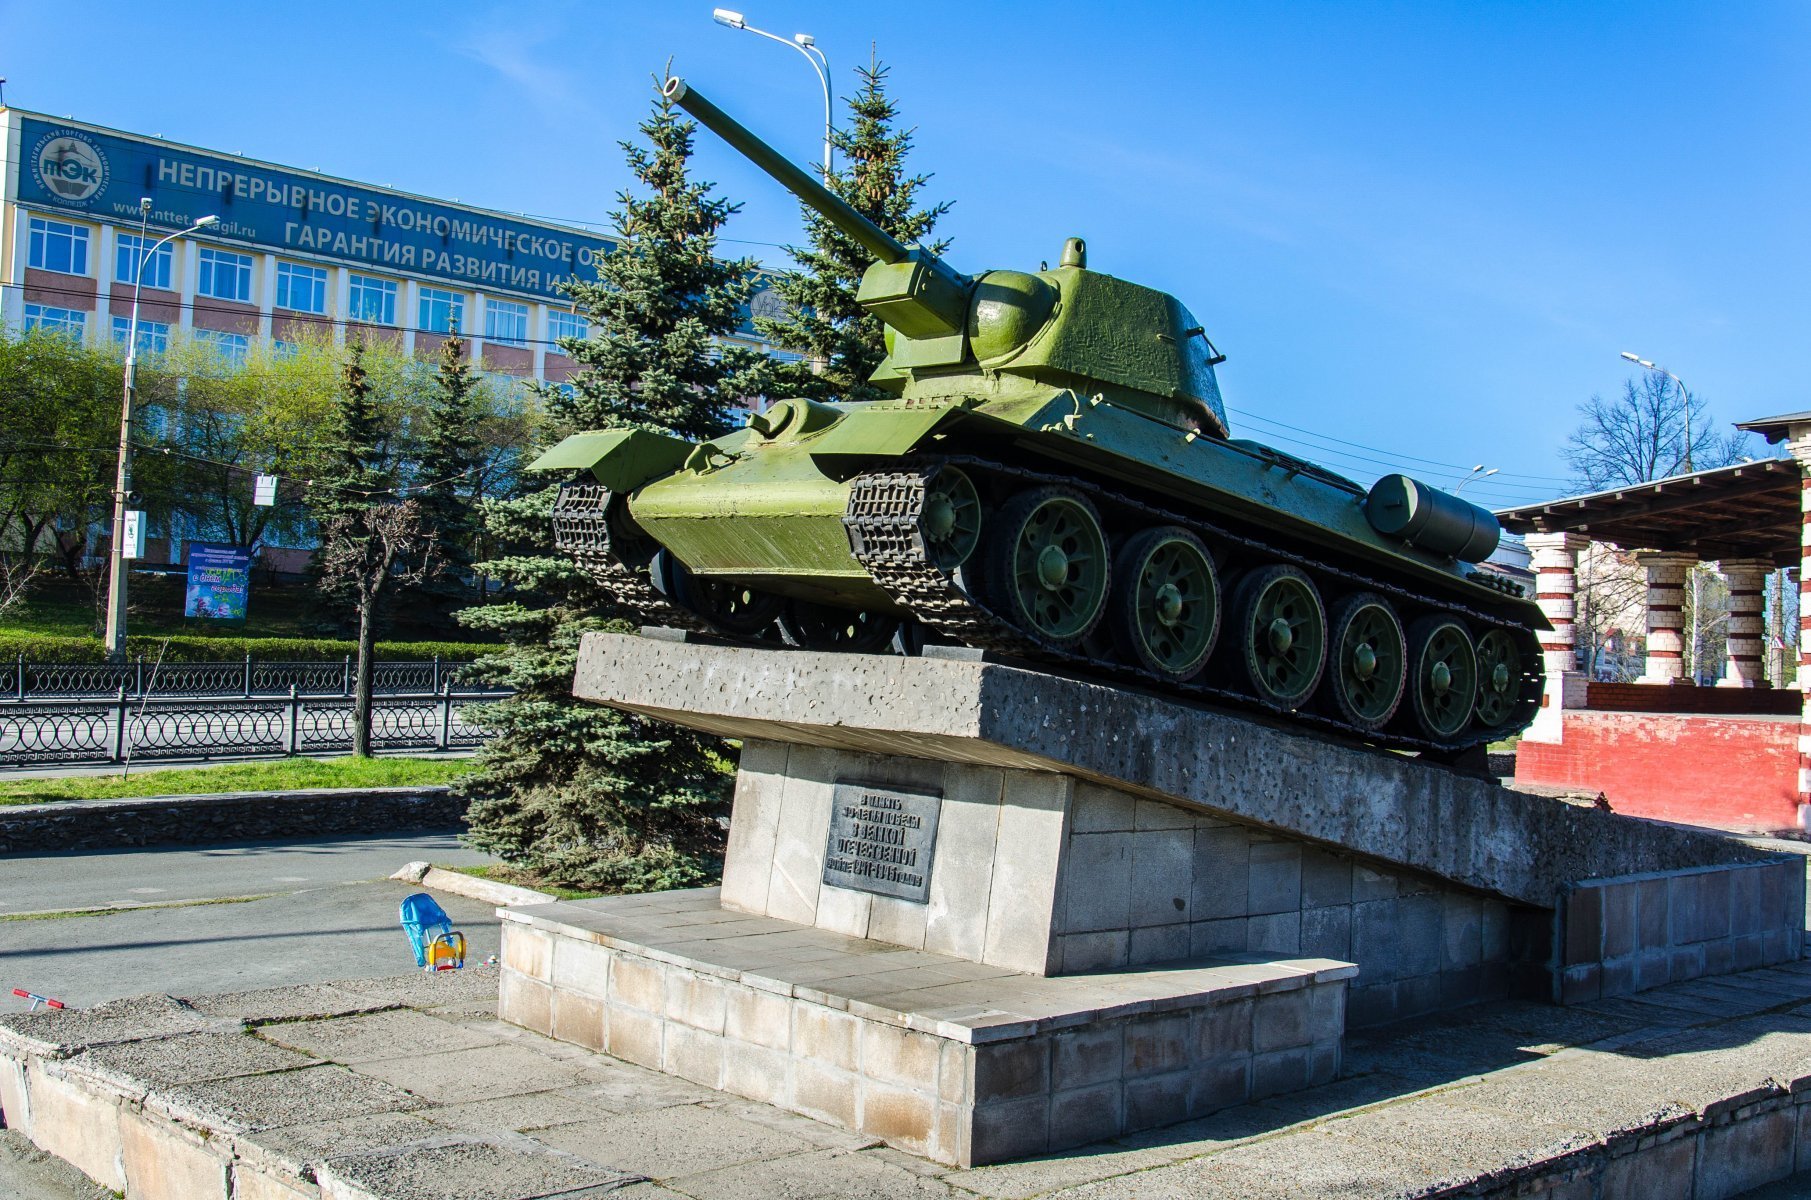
(979, 856)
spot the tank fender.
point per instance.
(620, 459)
(887, 433)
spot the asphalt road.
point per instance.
(328, 912)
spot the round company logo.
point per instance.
(69, 166)
(767, 303)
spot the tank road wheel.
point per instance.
(950, 521)
(1443, 676)
(1499, 679)
(734, 609)
(1369, 661)
(1282, 634)
(1047, 564)
(1166, 601)
(821, 627)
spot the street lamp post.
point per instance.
(805, 44)
(1477, 472)
(1685, 406)
(122, 484)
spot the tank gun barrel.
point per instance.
(833, 208)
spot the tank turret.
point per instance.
(1053, 478)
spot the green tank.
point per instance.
(1054, 479)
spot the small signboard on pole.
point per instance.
(264, 490)
(219, 581)
(132, 540)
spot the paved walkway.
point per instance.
(1472, 1096)
(329, 909)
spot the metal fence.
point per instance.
(37, 732)
(245, 678)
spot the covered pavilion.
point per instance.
(1733, 755)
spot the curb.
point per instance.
(470, 886)
(226, 816)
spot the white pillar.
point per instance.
(1666, 614)
(1746, 664)
(1800, 446)
(1555, 563)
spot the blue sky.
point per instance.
(1422, 228)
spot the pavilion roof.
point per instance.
(1749, 510)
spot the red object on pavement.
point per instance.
(36, 999)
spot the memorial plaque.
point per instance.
(881, 840)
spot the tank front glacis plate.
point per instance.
(769, 516)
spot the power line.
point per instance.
(1400, 457)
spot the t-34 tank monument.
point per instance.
(1128, 838)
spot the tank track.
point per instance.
(581, 529)
(882, 522)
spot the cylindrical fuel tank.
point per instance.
(1430, 519)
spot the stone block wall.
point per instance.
(1042, 873)
(1619, 936)
(1034, 1088)
(1145, 881)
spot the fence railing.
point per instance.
(245, 678)
(135, 728)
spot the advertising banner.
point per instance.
(219, 581)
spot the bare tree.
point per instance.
(17, 570)
(371, 552)
(1641, 436)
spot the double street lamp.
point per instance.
(122, 485)
(805, 44)
(1685, 400)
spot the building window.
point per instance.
(303, 289)
(561, 324)
(283, 349)
(151, 419)
(231, 347)
(153, 336)
(72, 321)
(506, 323)
(157, 267)
(373, 300)
(59, 246)
(225, 275)
(441, 311)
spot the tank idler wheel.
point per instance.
(821, 627)
(1369, 664)
(1443, 677)
(1046, 564)
(950, 521)
(1165, 607)
(1281, 632)
(1500, 681)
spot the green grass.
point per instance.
(504, 873)
(281, 775)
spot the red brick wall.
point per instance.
(1730, 772)
(59, 290)
(154, 304)
(225, 316)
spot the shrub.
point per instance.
(49, 648)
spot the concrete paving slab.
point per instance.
(62, 1032)
(673, 1142)
(396, 1033)
(247, 1103)
(296, 1003)
(188, 1058)
(298, 1145)
(468, 1169)
(480, 1073)
(476, 986)
(819, 1175)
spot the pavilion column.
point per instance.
(1800, 446)
(1555, 563)
(1666, 614)
(1747, 577)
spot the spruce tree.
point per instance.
(358, 469)
(450, 451)
(823, 321)
(578, 794)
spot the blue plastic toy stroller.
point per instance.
(438, 946)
